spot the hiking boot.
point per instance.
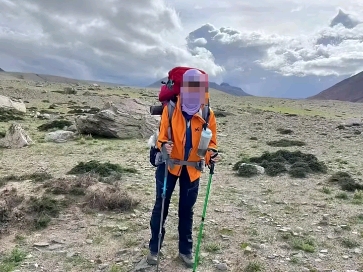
(187, 259)
(152, 258)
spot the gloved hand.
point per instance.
(168, 147)
(215, 157)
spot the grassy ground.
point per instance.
(57, 219)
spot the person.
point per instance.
(186, 127)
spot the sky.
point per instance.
(249, 44)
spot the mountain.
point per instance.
(350, 89)
(345, 19)
(1, 70)
(224, 87)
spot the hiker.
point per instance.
(186, 128)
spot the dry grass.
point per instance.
(287, 221)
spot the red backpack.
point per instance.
(171, 88)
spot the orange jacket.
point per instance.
(178, 138)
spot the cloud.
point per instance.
(262, 46)
(249, 56)
(134, 41)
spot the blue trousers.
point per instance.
(187, 198)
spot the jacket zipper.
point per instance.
(183, 150)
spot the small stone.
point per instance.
(70, 254)
(41, 244)
(102, 266)
(345, 257)
(324, 251)
(122, 228)
(222, 266)
(122, 251)
(89, 241)
(247, 249)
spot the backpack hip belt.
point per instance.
(199, 165)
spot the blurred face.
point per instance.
(193, 89)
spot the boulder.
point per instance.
(15, 137)
(59, 136)
(8, 103)
(129, 119)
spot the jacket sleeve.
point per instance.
(213, 142)
(163, 128)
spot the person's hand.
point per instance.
(215, 157)
(168, 147)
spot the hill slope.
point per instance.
(350, 89)
(224, 87)
(49, 78)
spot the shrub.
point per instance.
(345, 181)
(273, 169)
(247, 170)
(57, 124)
(104, 170)
(111, 198)
(285, 143)
(10, 115)
(43, 209)
(296, 163)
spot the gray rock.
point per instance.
(222, 266)
(59, 136)
(11, 104)
(142, 266)
(129, 120)
(16, 137)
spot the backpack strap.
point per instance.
(205, 115)
(171, 107)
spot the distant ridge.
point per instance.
(349, 89)
(224, 87)
(51, 78)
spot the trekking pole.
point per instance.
(196, 259)
(166, 156)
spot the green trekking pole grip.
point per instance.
(196, 259)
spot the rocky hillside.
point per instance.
(42, 78)
(350, 89)
(224, 87)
